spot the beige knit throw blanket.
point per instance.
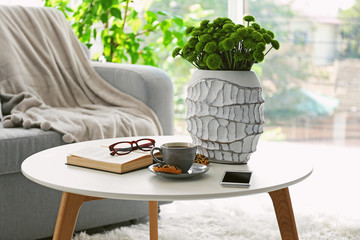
(47, 82)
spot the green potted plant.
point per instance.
(224, 45)
(224, 100)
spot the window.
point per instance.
(317, 66)
(300, 37)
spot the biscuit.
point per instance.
(167, 169)
(201, 159)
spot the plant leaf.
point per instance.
(178, 21)
(165, 25)
(167, 38)
(115, 12)
(68, 9)
(106, 4)
(150, 17)
(135, 24)
(87, 35)
(104, 17)
(162, 13)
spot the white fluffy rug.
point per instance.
(326, 207)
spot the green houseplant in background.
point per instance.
(224, 98)
(122, 29)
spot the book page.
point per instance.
(102, 154)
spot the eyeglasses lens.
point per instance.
(124, 147)
(145, 144)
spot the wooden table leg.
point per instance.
(68, 213)
(153, 220)
(284, 214)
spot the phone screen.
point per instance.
(236, 178)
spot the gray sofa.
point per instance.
(28, 210)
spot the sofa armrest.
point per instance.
(146, 83)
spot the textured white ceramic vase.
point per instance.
(225, 114)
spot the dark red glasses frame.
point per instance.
(146, 146)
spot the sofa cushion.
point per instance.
(16, 144)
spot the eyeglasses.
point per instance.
(122, 148)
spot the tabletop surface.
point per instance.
(275, 165)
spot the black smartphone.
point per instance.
(236, 178)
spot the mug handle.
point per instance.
(152, 154)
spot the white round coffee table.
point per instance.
(275, 167)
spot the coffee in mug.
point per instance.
(179, 154)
